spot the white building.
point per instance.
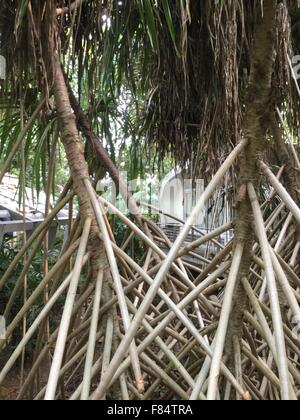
(11, 211)
(178, 196)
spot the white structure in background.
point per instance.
(178, 196)
(9, 199)
(11, 213)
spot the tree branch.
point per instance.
(69, 9)
(109, 166)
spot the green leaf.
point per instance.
(40, 157)
(168, 17)
(21, 14)
(150, 23)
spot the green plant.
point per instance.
(35, 275)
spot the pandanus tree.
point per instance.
(221, 97)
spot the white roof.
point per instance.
(34, 204)
(174, 173)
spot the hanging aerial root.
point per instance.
(281, 191)
(273, 294)
(117, 282)
(179, 334)
(66, 317)
(43, 314)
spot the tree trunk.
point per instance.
(78, 166)
(254, 130)
(79, 172)
(103, 157)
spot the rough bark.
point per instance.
(78, 166)
(254, 129)
(102, 155)
(79, 172)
